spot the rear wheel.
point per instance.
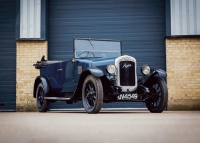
(92, 94)
(42, 104)
(158, 102)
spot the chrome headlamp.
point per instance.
(145, 69)
(111, 69)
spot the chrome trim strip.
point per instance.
(57, 98)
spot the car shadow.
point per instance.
(104, 112)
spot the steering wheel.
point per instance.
(87, 54)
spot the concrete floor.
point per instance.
(105, 127)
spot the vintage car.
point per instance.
(96, 74)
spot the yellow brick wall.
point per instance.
(28, 52)
(183, 69)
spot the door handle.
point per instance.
(59, 70)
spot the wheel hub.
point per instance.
(90, 94)
(155, 91)
(40, 97)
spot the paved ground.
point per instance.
(105, 127)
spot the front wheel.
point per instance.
(92, 94)
(158, 102)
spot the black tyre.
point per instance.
(158, 102)
(92, 94)
(42, 104)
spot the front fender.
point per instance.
(95, 71)
(92, 70)
(153, 73)
(161, 73)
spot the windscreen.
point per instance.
(96, 48)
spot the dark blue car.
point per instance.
(98, 73)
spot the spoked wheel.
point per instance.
(158, 102)
(92, 94)
(42, 104)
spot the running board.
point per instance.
(57, 98)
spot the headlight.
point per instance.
(111, 69)
(145, 69)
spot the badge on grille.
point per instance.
(126, 65)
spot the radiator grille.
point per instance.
(127, 73)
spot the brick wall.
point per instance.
(28, 52)
(183, 69)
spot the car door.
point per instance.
(54, 71)
(69, 84)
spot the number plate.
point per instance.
(127, 97)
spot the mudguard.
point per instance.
(153, 73)
(92, 70)
(45, 84)
(161, 73)
(95, 71)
